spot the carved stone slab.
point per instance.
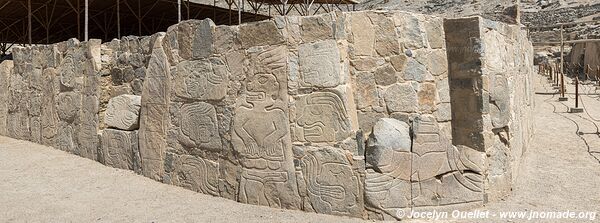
(120, 149)
(123, 112)
(333, 187)
(194, 173)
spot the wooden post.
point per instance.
(556, 75)
(598, 75)
(576, 92)
(239, 6)
(562, 85)
(562, 49)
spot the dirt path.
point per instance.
(560, 172)
(41, 184)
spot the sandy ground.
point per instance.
(559, 172)
(41, 184)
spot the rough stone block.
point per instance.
(401, 97)
(314, 28)
(389, 149)
(205, 79)
(262, 33)
(123, 112)
(330, 180)
(319, 64)
(154, 113)
(194, 173)
(5, 71)
(120, 149)
(322, 117)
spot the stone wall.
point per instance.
(342, 113)
(592, 55)
(490, 70)
(577, 53)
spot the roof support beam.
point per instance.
(29, 20)
(87, 21)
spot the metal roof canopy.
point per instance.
(49, 21)
(302, 7)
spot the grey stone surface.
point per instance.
(401, 98)
(120, 149)
(350, 113)
(5, 71)
(389, 148)
(330, 180)
(319, 64)
(123, 112)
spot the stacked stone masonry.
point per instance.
(354, 114)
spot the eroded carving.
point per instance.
(322, 117)
(119, 148)
(263, 141)
(68, 104)
(319, 64)
(196, 174)
(333, 187)
(205, 79)
(199, 127)
(123, 112)
(425, 170)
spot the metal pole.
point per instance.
(178, 10)
(139, 17)
(29, 20)
(86, 21)
(118, 19)
(239, 6)
(78, 20)
(48, 24)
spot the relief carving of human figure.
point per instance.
(262, 126)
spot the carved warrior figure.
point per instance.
(263, 139)
(322, 116)
(262, 136)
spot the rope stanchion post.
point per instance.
(562, 87)
(553, 72)
(598, 75)
(576, 109)
(587, 70)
